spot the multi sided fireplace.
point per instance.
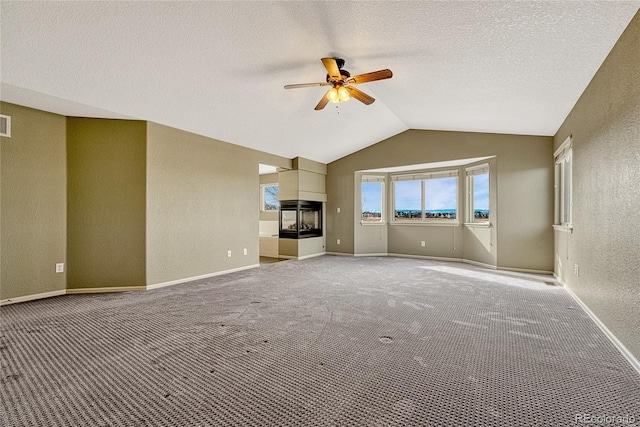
(300, 219)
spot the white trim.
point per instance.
(564, 228)
(428, 223)
(312, 255)
(477, 169)
(339, 254)
(435, 258)
(566, 144)
(479, 264)
(635, 364)
(302, 257)
(371, 254)
(32, 297)
(478, 224)
(526, 270)
(203, 276)
(373, 178)
(105, 290)
(7, 133)
(418, 176)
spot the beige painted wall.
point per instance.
(106, 211)
(201, 202)
(605, 124)
(523, 182)
(33, 214)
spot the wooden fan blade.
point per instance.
(360, 95)
(332, 68)
(370, 77)
(323, 102)
(306, 85)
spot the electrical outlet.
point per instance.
(338, 241)
(60, 267)
(245, 251)
(338, 210)
(576, 270)
(423, 243)
(229, 254)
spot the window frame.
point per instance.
(262, 197)
(382, 180)
(563, 187)
(471, 172)
(423, 177)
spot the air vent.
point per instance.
(5, 125)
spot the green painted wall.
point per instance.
(33, 181)
(106, 193)
(605, 243)
(201, 202)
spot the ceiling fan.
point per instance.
(342, 83)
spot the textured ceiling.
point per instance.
(218, 68)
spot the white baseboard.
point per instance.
(433, 258)
(26, 298)
(437, 258)
(117, 289)
(380, 254)
(105, 290)
(312, 255)
(302, 257)
(203, 276)
(339, 254)
(479, 264)
(526, 270)
(614, 340)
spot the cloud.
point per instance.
(440, 193)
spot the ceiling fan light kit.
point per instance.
(342, 83)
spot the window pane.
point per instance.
(270, 196)
(372, 201)
(440, 199)
(481, 197)
(408, 200)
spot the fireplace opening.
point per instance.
(300, 219)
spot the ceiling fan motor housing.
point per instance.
(343, 73)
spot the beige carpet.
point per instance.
(329, 341)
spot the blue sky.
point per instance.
(371, 196)
(407, 195)
(440, 193)
(271, 195)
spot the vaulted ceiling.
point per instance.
(218, 68)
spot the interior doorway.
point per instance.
(269, 214)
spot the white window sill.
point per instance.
(477, 224)
(564, 228)
(425, 223)
(372, 223)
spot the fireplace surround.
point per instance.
(300, 219)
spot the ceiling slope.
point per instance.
(218, 68)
